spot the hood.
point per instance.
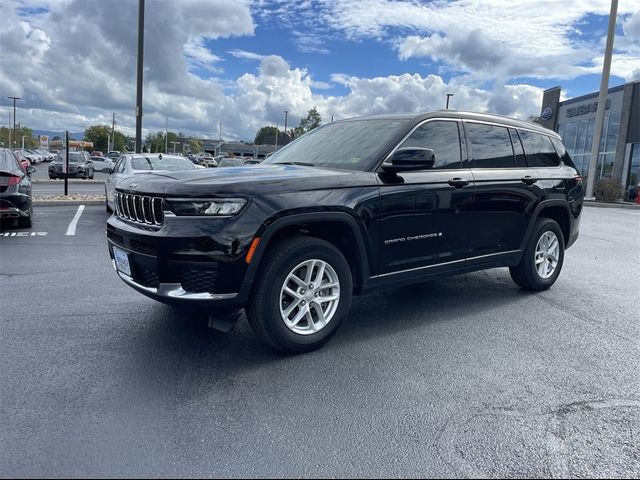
(246, 180)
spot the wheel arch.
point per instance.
(555, 210)
(339, 228)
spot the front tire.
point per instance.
(543, 257)
(302, 293)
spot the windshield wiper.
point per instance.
(304, 164)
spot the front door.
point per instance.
(424, 215)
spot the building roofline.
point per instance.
(593, 95)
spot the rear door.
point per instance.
(424, 215)
(506, 191)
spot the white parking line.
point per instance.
(71, 229)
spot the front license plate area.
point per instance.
(122, 261)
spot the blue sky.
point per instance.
(245, 62)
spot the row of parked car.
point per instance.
(37, 155)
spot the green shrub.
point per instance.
(607, 190)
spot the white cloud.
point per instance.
(72, 73)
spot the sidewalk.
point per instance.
(628, 205)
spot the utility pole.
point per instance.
(111, 144)
(286, 113)
(448, 95)
(166, 134)
(140, 72)
(277, 125)
(14, 120)
(602, 100)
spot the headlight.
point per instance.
(218, 207)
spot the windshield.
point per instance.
(348, 145)
(164, 163)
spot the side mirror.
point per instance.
(111, 169)
(410, 158)
(31, 170)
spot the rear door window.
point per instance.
(490, 146)
(539, 150)
(517, 148)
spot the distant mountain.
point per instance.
(51, 134)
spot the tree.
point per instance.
(99, 135)
(21, 130)
(267, 136)
(312, 121)
(193, 145)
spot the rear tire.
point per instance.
(326, 307)
(543, 257)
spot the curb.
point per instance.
(61, 182)
(629, 206)
(59, 203)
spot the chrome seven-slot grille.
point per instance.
(139, 208)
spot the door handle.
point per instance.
(458, 182)
(529, 180)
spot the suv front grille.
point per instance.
(139, 208)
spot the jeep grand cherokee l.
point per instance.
(348, 208)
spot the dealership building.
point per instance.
(575, 121)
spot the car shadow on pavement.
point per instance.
(179, 344)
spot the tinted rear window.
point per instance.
(7, 161)
(539, 150)
(490, 146)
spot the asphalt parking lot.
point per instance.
(468, 376)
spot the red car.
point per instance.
(24, 161)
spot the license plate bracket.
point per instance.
(122, 261)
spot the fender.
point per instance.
(316, 217)
(536, 213)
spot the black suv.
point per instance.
(350, 207)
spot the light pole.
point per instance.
(140, 72)
(286, 112)
(448, 95)
(604, 84)
(112, 142)
(14, 120)
(277, 125)
(166, 134)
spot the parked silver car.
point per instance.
(102, 164)
(132, 164)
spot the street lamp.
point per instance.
(286, 112)
(140, 71)
(14, 120)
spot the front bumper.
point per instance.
(193, 269)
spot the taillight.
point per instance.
(10, 180)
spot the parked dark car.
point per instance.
(351, 207)
(132, 164)
(15, 189)
(80, 166)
